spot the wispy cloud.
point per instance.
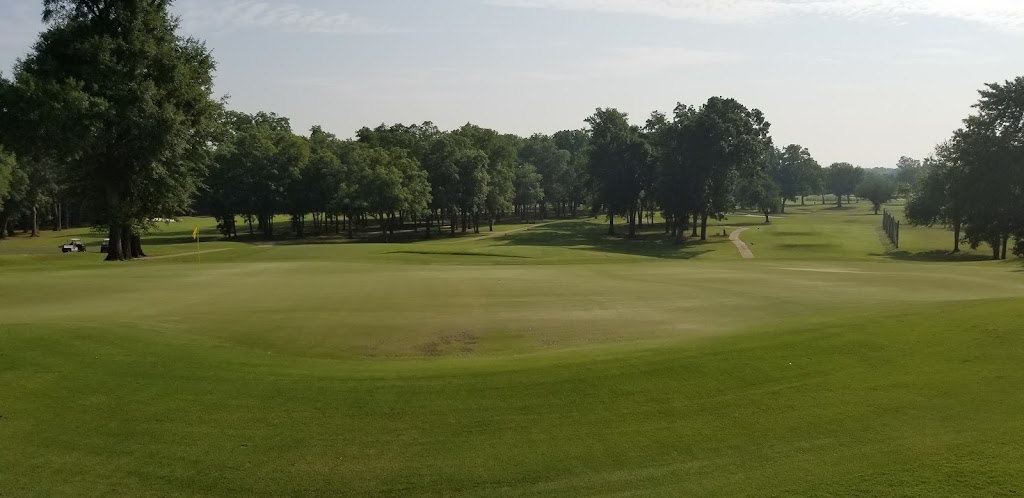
(1002, 14)
(233, 15)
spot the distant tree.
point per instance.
(576, 180)
(908, 171)
(553, 165)
(7, 166)
(877, 189)
(471, 164)
(527, 186)
(794, 172)
(842, 179)
(760, 192)
(933, 200)
(443, 174)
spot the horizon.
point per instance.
(857, 81)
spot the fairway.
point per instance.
(544, 360)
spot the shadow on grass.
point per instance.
(459, 253)
(407, 236)
(935, 256)
(586, 236)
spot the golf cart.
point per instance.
(73, 245)
(105, 245)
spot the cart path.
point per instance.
(742, 246)
(183, 254)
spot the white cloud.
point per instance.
(1003, 14)
(231, 15)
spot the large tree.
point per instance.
(112, 91)
(729, 141)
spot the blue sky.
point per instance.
(863, 81)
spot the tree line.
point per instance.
(974, 182)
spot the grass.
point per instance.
(544, 360)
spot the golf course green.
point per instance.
(538, 360)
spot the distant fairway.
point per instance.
(540, 360)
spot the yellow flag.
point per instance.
(195, 233)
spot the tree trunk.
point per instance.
(679, 231)
(840, 197)
(703, 226)
(1006, 242)
(956, 237)
(114, 252)
(429, 222)
(611, 224)
(35, 222)
(632, 223)
(696, 222)
(5, 227)
(783, 207)
(803, 200)
(995, 249)
(126, 241)
(136, 245)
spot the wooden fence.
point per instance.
(891, 227)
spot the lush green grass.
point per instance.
(544, 360)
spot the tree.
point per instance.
(527, 186)
(759, 192)
(908, 171)
(673, 145)
(876, 189)
(729, 141)
(552, 164)
(794, 171)
(617, 158)
(117, 70)
(933, 199)
(7, 166)
(842, 179)
(502, 155)
(577, 180)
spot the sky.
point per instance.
(861, 81)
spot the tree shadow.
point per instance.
(935, 256)
(587, 236)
